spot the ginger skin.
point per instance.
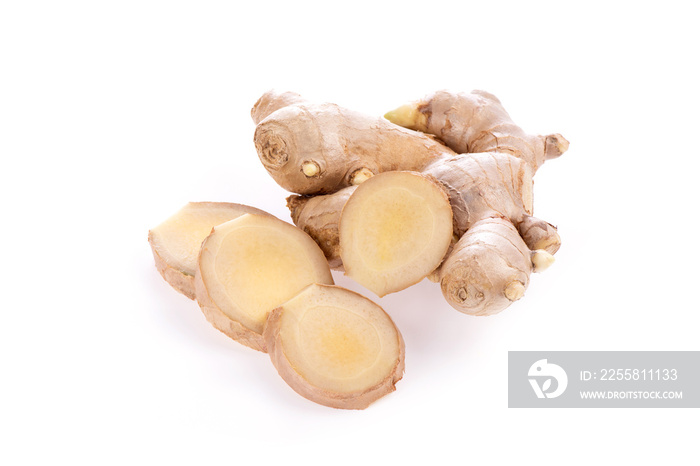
(477, 122)
(272, 101)
(491, 197)
(321, 148)
(319, 216)
(490, 265)
(488, 268)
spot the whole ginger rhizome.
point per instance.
(439, 188)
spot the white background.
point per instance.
(115, 114)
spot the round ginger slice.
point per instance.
(395, 230)
(249, 266)
(176, 242)
(335, 347)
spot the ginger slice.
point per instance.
(395, 229)
(335, 347)
(176, 241)
(249, 266)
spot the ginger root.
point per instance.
(320, 148)
(249, 266)
(488, 183)
(272, 101)
(500, 243)
(319, 216)
(176, 242)
(440, 187)
(490, 265)
(335, 347)
(476, 122)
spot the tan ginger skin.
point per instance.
(319, 216)
(491, 196)
(476, 122)
(490, 265)
(272, 101)
(321, 148)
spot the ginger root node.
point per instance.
(360, 176)
(555, 145)
(272, 149)
(541, 260)
(462, 294)
(310, 169)
(514, 291)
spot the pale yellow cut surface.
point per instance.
(337, 340)
(254, 263)
(394, 230)
(178, 239)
